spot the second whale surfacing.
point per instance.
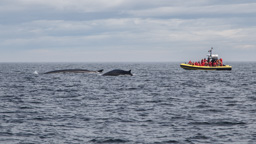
(118, 72)
(74, 71)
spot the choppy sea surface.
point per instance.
(161, 103)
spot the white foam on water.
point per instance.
(35, 72)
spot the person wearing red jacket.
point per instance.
(210, 63)
(214, 63)
(221, 62)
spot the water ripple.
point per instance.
(161, 103)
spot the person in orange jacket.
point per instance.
(218, 63)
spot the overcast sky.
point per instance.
(126, 30)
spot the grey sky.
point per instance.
(126, 30)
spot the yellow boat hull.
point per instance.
(194, 67)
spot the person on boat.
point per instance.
(210, 63)
(203, 64)
(190, 62)
(214, 63)
(218, 62)
(221, 62)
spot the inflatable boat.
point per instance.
(194, 67)
(212, 63)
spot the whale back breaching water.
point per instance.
(74, 71)
(118, 72)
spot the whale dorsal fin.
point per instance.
(100, 71)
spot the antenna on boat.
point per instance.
(210, 55)
(211, 51)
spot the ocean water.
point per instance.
(161, 103)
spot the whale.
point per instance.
(73, 71)
(118, 72)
